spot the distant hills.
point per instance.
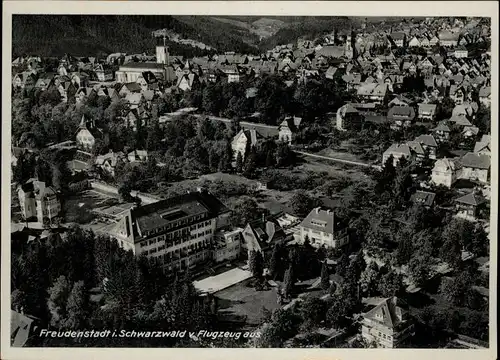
(94, 35)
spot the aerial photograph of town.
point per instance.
(250, 181)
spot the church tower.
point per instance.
(162, 52)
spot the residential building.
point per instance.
(446, 172)
(485, 96)
(108, 162)
(373, 92)
(348, 118)
(460, 52)
(260, 235)
(448, 39)
(398, 151)
(137, 156)
(38, 201)
(288, 128)
(178, 232)
(23, 329)
(227, 245)
(87, 134)
(414, 42)
(475, 167)
(387, 325)
(423, 198)
(24, 79)
(442, 132)
(324, 229)
(470, 205)
(398, 38)
(401, 116)
(243, 141)
(429, 145)
(427, 111)
(483, 146)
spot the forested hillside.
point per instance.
(307, 27)
(93, 35)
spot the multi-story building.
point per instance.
(323, 228)
(446, 172)
(388, 324)
(227, 245)
(38, 201)
(177, 232)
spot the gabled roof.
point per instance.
(476, 161)
(426, 107)
(424, 198)
(406, 112)
(21, 328)
(324, 220)
(427, 140)
(471, 198)
(482, 144)
(485, 91)
(390, 312)
(416, 147)
(442, 127)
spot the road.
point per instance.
(349, 162)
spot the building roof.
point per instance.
(426, 107)
(427, 140)
(21, 328)
(471, 198)
(401, 112)
(485, 91)
(482, 144)
(403, 149)
(442, 127)
(322, 220)
(424, 198)
(142, 65)
(476, 161)
(390, 312)
(164, 212)
(416, 147)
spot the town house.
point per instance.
(388, 324)
(398, 151)
(288, 128)
(87, 134)
(470, 205)
(446, 172)
(401, 116)
(429, 145)
(243, 141)
(427, 111)
(475, 167)
(227, 245)
(38, 201)
(323, 229)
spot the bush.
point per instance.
(79, 186)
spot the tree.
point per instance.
(250, 164)
(256, 263)
(369, 279)
(245, 210)
(239, 163)
(391, 284)
(385, 178)
(325, 277)
(289, 281)
(333, 288)
(451, 252)
(275, 264)
(57, 302)
(405, 248)
(419, 270)
(301, 204)
(77, 307)
(313, 310)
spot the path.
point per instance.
(349, 162)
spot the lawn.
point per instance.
(241, 301)
(78, 208)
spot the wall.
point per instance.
(145, 198)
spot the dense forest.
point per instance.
(94, 35)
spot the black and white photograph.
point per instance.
(250, 181)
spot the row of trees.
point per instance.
(90, 282)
